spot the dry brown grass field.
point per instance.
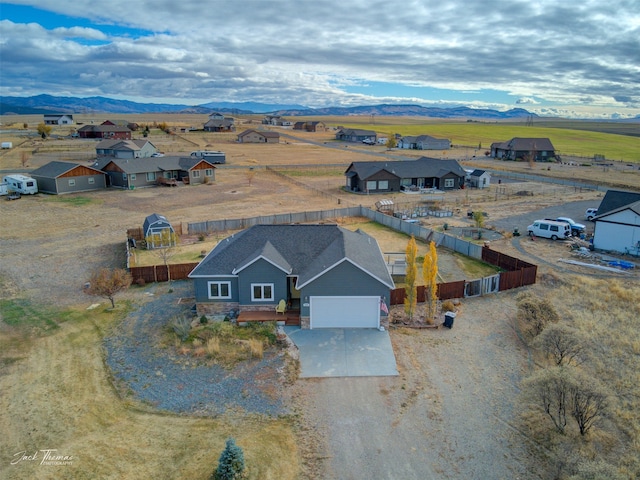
(57, 392)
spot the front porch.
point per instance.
(290, 317)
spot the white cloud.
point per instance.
(313, 52)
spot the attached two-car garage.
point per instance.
(344, 312)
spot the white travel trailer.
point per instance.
(210, 155)
(21, 184)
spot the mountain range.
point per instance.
(41, 104)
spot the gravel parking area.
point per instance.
(156, 375)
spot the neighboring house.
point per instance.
(153, 229)
(356, 135)
(539, 149)
(224, 125)
(125, 148)
(105, 131)
(254, 136)
(425, 172)
(310, 126)
(335, 277)
(618, 230)
(479, 178)
(61, 119)
(122, 123)
(424, 142)
(615, 199)
(146, 172)
(276, 120)
(64, 177)
(216, 116)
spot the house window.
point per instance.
(91, 180)
(133, 177)
(449, 183)
(209, 172)
(405, 182)
(371, 185)
(124, 177)
(196, 173)
(261, 292)
(72, 182)
(151, 176)
(383, 185)
(219, 290)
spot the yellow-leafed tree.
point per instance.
(411, 289)
(430, 276)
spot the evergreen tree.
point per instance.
(231, 463)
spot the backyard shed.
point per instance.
(618, 230)
(158, 232)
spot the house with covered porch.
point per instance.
(407, 175)
(148, 172)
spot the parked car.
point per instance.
(590, 213)
(549, 229)
(576, 228)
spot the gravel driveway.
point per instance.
(450, 414)
(158, 376)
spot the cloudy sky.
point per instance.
(574, 58)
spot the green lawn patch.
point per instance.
(73, 201)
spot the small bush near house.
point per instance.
(181, 326)
(448, 306)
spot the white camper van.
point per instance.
(21, 184)
(549, 229)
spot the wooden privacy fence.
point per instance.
(518, 274)
(160, 273)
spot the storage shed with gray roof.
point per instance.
(334, 277)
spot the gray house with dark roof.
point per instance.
(541, 149)
(332, 277)
(424, 142)
(64, 177)
(146, 172)
(425, 172)
(356, 135)
(125, 148)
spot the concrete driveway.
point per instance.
(343, 352)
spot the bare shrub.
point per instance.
(588, 401)
(534, 314)
(562, 343)
(549, 388)
(107, 283)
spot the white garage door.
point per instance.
(345, 312)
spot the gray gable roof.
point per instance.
(422, 167)
(55, 169)
(615, 199)
(119, 144)
(528, 144)
(477, 172)
(306, 251)
(153, 164)
(634, 207)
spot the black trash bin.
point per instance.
(448, 319)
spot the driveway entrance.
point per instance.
(343, 352)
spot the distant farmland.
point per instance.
(574, 141)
